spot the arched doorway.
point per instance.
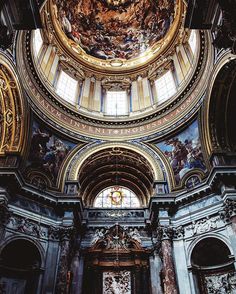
(213, 267)
(20, 263)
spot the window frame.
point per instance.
(73, 100)
(125, 106)
(162, 88)
(100, 198)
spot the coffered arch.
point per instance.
(112, 164)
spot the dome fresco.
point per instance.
(110, 30)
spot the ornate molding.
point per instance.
(116, 214)
(12, 110)
(202, 226)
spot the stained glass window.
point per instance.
(117, 197)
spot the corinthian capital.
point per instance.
(229, 210)
(169, 232)
(165, 232)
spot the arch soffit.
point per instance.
(218, 236)
(205, 127)
(78, 159)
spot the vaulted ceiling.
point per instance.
(116, 167)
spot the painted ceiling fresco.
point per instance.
(115, 29)
(184, 152)
(47, 152)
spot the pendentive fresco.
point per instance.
(47, 151)
(184, 152)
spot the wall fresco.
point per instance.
(184, 152)
(47, 151)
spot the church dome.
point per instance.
(154, 83)
(116, 31)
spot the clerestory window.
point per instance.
(116, 103)
(67, 88)
(165, 87)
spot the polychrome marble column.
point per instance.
(170, 285)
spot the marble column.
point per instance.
(138, 280)
(63, 267)
(145, 280)
(155, 273)
(170, 285)
(78, 271)
(182, 274)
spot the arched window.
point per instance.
(116, 197)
